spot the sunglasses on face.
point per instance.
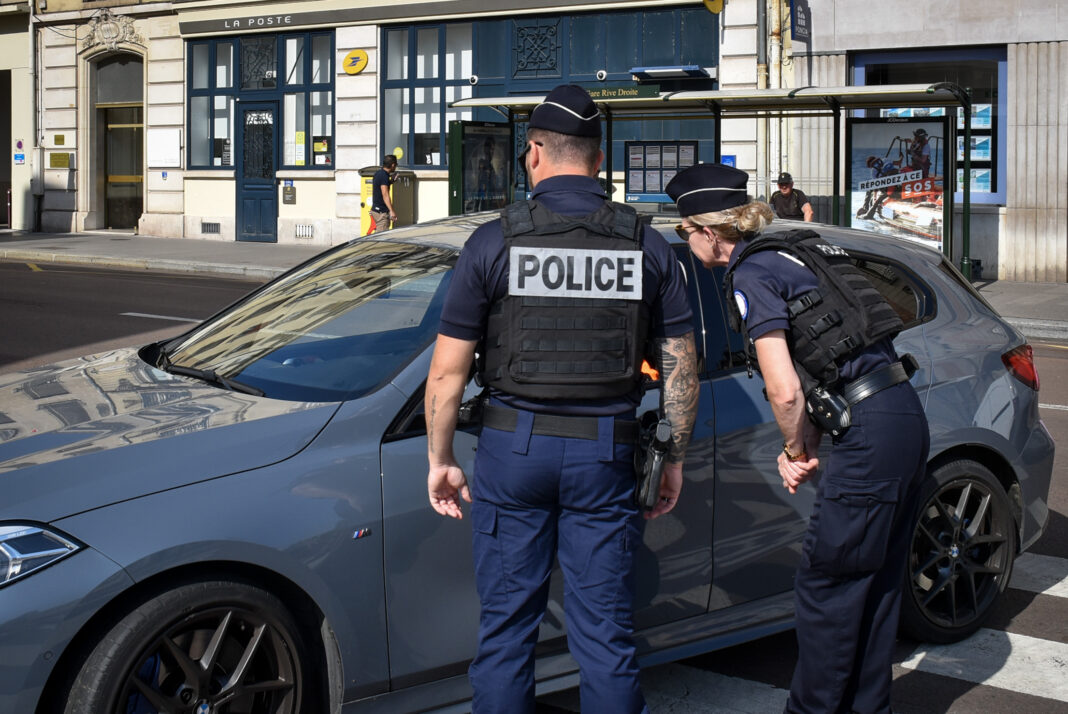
(685, 231)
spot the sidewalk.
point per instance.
(1039, 310)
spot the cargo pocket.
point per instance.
(486, 552)
(606, 580)
(852, 527)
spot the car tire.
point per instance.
(216, 646)
(960, 554)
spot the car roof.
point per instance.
(453, 231)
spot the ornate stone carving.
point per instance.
(110, 31)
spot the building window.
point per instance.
(294, 70)
(982, 71)
(427, 67)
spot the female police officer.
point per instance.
(813, 349)
(563, 291)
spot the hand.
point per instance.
(392, 217)
(670, 487)
(446, 485)
(795, 473)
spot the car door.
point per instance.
(757, 524)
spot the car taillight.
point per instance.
(1021, 363)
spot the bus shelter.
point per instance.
(834, 102)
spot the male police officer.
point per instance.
(562, 292)
(822, 338)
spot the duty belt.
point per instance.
(569, 427)
(860, 389)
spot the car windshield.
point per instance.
(337, 328)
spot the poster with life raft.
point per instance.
(896, 176)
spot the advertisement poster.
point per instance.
(487, 167)
(896, 176)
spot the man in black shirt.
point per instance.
(789, 202)
(382, 212)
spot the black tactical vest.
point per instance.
(830, 323)
(573, 324)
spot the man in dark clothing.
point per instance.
(790, 203)
(553, 475)
(382, 212)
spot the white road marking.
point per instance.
(159, 317)
(1019, 663)
(1040, 574)
(1061, 407)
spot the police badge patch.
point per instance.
(743, 303)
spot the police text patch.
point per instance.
(575, 273)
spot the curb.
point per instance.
(251, 272)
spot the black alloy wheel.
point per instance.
(961, 553)
(204, 648)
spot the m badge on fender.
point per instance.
(575, 273)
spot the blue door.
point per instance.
(257, 161)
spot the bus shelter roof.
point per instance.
(746, 101)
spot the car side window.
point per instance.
(725, 348)
(907, 295)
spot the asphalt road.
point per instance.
(51, 312)
(1018, 662)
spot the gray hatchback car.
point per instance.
(236, 520)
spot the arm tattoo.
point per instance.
(678, 393)
(430, 422)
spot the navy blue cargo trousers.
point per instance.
(539, 497)
(848, 589)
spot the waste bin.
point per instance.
(402, 193)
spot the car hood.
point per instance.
(109, 427)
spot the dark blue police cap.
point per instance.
(567, 109)
(707, 188)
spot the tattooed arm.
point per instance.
(678, 403)
(445, 383)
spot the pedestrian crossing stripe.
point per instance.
(1006, 660)
(1043, 574)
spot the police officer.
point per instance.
(813, 348)
(562, 293)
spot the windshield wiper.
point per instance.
(207, 375)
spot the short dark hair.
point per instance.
(389, 161)
(568, 148)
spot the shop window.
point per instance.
(303, 90)
(982, 71)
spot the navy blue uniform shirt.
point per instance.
(766, 281)
(481, 278)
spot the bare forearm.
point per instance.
(788, 406)
(441, 406)
(678, 393)
(445, 384)
(783, 387)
